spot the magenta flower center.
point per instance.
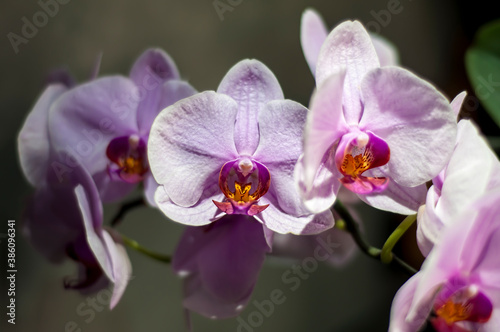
(128, 158)
(467, 304)
(358, 152)
(243, 182)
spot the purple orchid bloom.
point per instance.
(104, 124)
(459, 183)
(381, 132)
(220, 264)
(458, 288)
(64, 217)
(313, 33)
(233, 151)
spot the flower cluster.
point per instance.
(251, 173)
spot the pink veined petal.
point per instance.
(429, 225)
(83, 121)
(202, 213)
(281, 126)
(222, 262)
(153, 68)
(457, 102)
(387, 53)
(395, 198)
(325, 125)
(251, 84)
(348, 46)
(313, 32)
(401, 321)
(281, 222)
(325, 187)
(413, 118)
(189, 142)
(33, 140)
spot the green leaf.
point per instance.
(482, 61)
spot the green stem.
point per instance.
(136, 246)
(352, 227)
(386, 255)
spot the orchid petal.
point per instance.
(153, 68)
(348, 46)
(33, 140)
(413, 118)
(313, 32)
(150, 186)
(457, 102)
(94, 233)
(463, 182)
(281, 125)
(189, 143)
(202, 213)
(401, 306)
(85, 119)
(386, 51)
(325, 125)
(281, 222)
(251, 84)
(324, 189)
(122, 268)
(223, 261)
(429, 225)
(168, 94)
(395, 198)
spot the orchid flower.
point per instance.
(104, 124)
(459, 183)
(381, 132)
(233, 152)
(313, 33)
(64, 217)
(458, 287)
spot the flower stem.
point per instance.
(352, 227)
(136, 246)
(125, 208)
(386, 254)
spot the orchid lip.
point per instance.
(467, 303)
(358, 152)
(128, 158)
(243, 181)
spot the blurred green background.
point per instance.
(431, 37)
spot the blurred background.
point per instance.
(431, 37)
